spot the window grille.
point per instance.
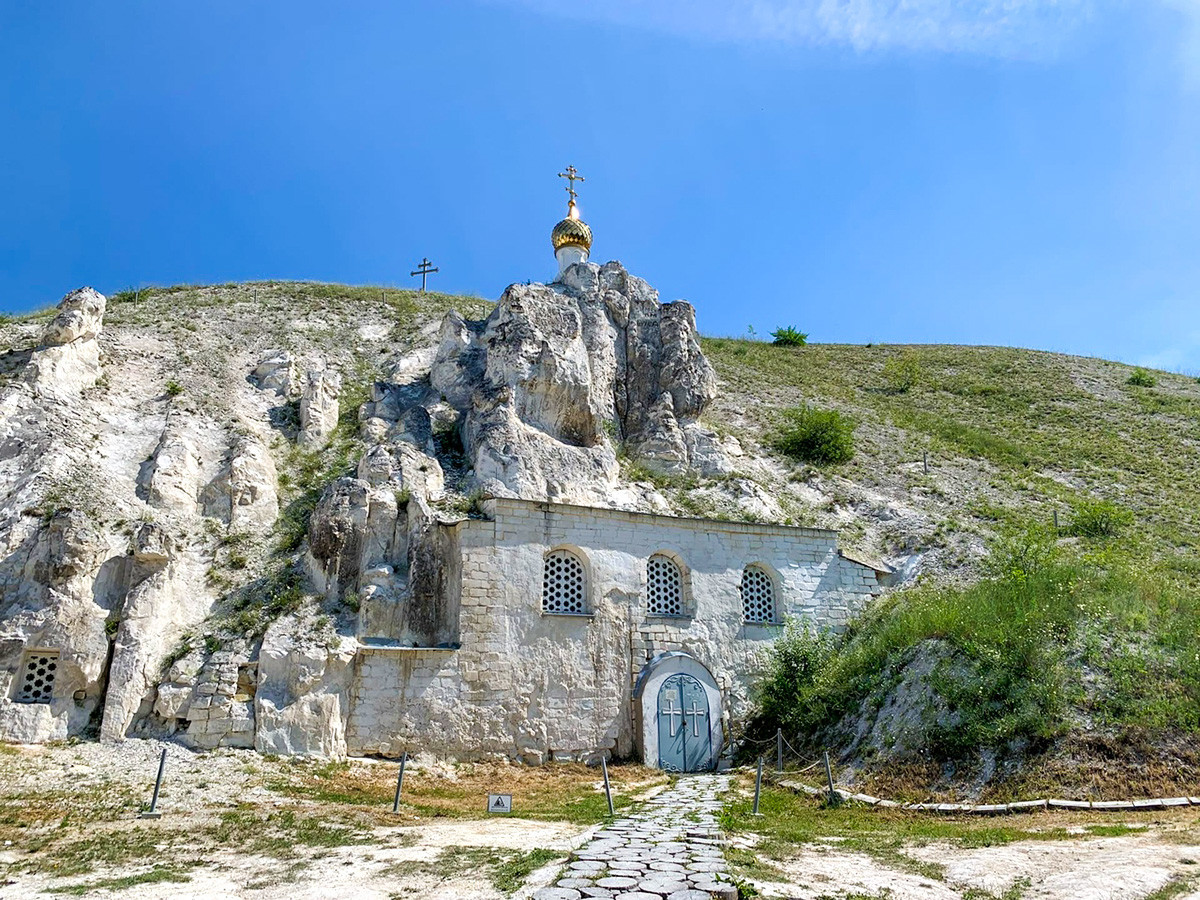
(563, 584)
(758, 595)
(37, 676)
(664, 587)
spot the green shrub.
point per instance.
(1100, 519)
(994, 654)
(1141, 378)
(902, 373)
(174, 388)
(820, 436)
(797, 659)
(789, 337)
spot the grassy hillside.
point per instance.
(1067, 657)
(1013, 436)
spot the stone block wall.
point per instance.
(538, 686)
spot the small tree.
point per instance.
(789, 337)
(820, 436)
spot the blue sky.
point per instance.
(1022, 172)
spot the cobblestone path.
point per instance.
(671, 849)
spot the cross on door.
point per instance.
(671, 713)
(697, 714)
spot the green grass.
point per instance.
(789, 820)
(112, 848)
(158, 874)
(1025, 413)
(505, 869)
(285, 833)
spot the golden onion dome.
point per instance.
(571, 231)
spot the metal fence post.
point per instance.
(152, 812)
(758, 786)
(399, 782)
(833, 794)
(607, 789)
(779, 750)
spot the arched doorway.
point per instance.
(679, 709)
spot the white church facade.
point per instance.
(576, 632)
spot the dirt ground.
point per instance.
(1125, 868)
(239, 825)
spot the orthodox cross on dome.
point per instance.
(571, 238)
(572, 175)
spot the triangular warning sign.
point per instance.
(499, 804)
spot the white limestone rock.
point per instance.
(557, 373)
(164, 601)
(171, 478)
(68, 359)
(57, 587)
(80, 317)
(319, 406)
(276, 371)
(302, 700)
(336, 535)
(244, 494)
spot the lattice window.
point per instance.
(38, 670)
(564, 588)
(758, 595)
(664, 587)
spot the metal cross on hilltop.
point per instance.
(425, 269)
(572, 176)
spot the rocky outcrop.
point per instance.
(319, 406)
(167, 595)
(560, 375)
(171, 478)
(68, 359)
(244, 493)
(276, 371)
(58, 591)
(303, 692)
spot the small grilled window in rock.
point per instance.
(664, 587)
(758, 595)
(36, 678)
(563, 584)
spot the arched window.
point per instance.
(664, 586)
(564, 586)
(758, 595)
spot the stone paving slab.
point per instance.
(671, 850)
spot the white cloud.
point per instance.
(994, 27)
(1005, 28)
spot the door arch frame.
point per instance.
(645, 701)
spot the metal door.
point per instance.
(684, 733)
